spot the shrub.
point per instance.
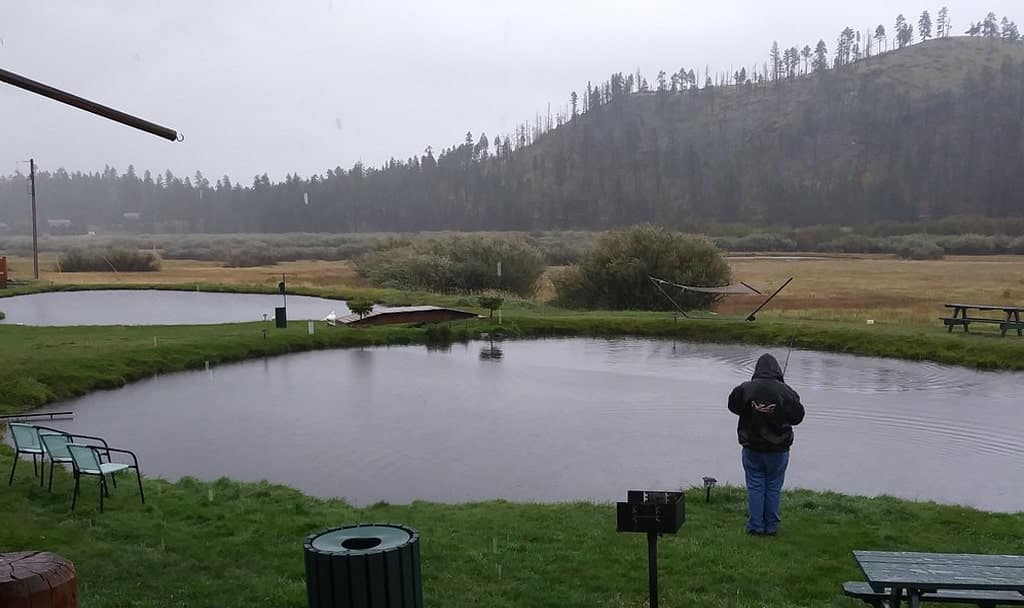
(760, 241)
(968, 244)
(249, 257)
(915, 247)
(615, 273)
(360, 307)
(1016, 245)
(460, 263)
(108, 260)
(491, 302)
(2, 315)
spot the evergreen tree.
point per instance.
(901, 27)
(924, 26)
(573, 101)
(880, 36)
(990, 27)
(806, 55)
(776, 58)
(820, 63)
(943, 22)
(1009, 31)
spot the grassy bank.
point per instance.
(46, 364)
(232, 544)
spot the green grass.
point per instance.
(46, 364)
(224, 543)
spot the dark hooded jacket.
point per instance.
(768, 409)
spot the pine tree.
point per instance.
(990, 27)
(806, 54)
(880, 35)
(901, 26)
(924, 26)
(943, 22)
(573, 101)
(776, 59)
(820, 63)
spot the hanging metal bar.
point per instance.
(89, 106)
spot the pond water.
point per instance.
(157, 307)
(566, 419)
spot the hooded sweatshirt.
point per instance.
(768, 409)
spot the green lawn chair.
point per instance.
(55, 444)
(85, 460)
(26, 441)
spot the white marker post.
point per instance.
(311, 328)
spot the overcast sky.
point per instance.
(305, 86)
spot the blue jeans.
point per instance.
(766, 472)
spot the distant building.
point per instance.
(132, 216)
(60, 226)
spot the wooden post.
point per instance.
(3, 272)
(32, 578)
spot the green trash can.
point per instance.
(281, 317)
(364, 566)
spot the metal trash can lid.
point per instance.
(357, 540)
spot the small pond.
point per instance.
(157, 307)
(565, 419)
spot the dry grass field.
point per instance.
(307, 273)
(883, 288)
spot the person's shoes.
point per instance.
(772, 533)
(755, 532)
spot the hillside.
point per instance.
(931, 130)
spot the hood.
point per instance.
(768, 368)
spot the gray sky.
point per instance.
(304, 86)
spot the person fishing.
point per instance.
(768, 409)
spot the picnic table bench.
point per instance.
(982, 580)
(962, 317)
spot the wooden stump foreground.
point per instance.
(31, 579)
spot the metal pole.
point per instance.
(84, 104)
(652, 564)
(35, 231)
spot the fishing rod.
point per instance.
(789, 352)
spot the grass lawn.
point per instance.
(224, 543)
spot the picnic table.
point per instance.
(962, 317)
(983, 580)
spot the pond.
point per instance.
(157, 307)
(565, 419)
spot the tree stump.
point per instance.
(33, 578)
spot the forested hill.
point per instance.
(930, 130)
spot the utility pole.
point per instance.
(35, 231)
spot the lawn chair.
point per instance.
(55, 444)
(26, 441)
(85, 460)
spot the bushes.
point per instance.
(916, 247)
(456, 264)
(759, 241)
(108, 260)
(615, 273)
(250, 256)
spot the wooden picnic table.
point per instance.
(961, 316)
(915, 575)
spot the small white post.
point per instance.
(311, 328)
